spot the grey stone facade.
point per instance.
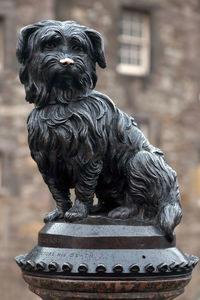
(166, 101)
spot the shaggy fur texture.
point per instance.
(81, 140)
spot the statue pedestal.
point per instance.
(100, 258)
(143, 288)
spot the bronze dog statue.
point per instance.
(80, 139)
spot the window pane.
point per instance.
(136, 25)
(130, 54)
(124, 53)
(135, 55)
(126, 24)
(131, 24)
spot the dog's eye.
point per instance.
(50, 45)
(77, 47)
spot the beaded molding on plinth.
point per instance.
(31, 266)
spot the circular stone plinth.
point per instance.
(59, 288)
(100, 246)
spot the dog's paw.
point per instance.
(57, 213)
(77, 212)
(74, 216)
(122, 212)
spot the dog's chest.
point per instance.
(63, 134)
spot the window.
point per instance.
(2, 44)
(134, 43)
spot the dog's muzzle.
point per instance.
(67, 61)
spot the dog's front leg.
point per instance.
(61, 195)
(84, 190)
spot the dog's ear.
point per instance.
(22, 44)
(22, 50)
(98, 46)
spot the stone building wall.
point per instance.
(167, 100)
(23, 196)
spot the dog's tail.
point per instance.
(169, 217)
(153, 185)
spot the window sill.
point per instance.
(132, 70)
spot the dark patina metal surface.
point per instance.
(80, 139)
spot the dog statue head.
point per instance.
(58, 61)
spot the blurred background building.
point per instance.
(153, 73)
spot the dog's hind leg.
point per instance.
(84, 190)
(153, 184)
(61, 195)
(128, 210)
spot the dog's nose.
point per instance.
(67, 61)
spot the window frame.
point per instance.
(144, 42)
